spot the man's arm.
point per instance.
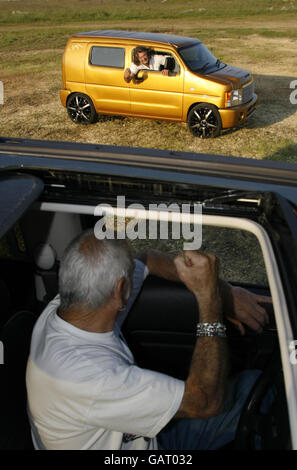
(128, 75)
(238, 304)
(160, 264)
(206, 383)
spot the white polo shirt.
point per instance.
(154, 64)
(86, 392)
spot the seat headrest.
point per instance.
(169, 63)
(45, 256)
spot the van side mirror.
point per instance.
(141, 75)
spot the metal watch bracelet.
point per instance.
(211, 329)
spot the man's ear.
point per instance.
(121, 292)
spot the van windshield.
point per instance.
(199, 59)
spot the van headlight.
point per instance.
(233, 98)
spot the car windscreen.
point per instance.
(199, 59)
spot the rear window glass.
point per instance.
(108, 56)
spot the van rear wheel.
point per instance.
(204, 121)
(81, 109)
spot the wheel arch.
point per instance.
(204, 120)
(200, 102)
(78, 93)
(78, 114)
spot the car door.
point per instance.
(281, 225)
(158, 95)
(105, 84)
(168, 347)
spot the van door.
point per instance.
(159, 95)
(105, 82)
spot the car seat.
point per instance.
(46, 273)
(15, 336)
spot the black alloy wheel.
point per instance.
(81, 109)
(204, 121)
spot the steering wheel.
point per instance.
(269, 429)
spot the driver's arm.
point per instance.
(206, 383)
(160, 264)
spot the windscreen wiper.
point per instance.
(202, 69)
(231, 196)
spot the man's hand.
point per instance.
(165, 72)
(247, 310)
(199, 272)
(128, 75)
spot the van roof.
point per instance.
(142, 36)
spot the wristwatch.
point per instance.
(211, 329)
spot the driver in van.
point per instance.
(144, 58)
(85, 390)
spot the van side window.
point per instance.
(108, 56)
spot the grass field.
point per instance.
(57, 12)
(258, 35)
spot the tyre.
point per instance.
(204, 121)
(81, 109)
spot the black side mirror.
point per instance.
(141, 75)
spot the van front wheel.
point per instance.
(81, 109)
(204, 121)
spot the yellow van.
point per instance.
(190, 86)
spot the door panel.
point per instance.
(107, 87)
(160, 330)
(158, 95)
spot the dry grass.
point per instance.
(239, 252)
(30, 58)
(32, 78)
